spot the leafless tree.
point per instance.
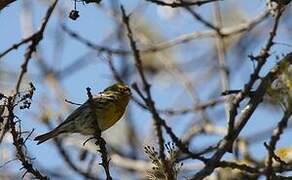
(211, 82)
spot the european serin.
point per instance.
(109, 107)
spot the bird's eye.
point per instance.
(126, 90)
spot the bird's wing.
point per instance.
(100, 102)
(74, 114)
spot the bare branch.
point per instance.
(182, 3)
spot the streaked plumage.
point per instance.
(110, 106)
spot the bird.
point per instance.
(108, 107)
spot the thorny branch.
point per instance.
(16, 134)
(100, 141)
(19, 143)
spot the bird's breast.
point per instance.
(111, 113)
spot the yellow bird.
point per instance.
(109, 107)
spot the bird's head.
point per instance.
(119, 88)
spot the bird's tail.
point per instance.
(44, 137)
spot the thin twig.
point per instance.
(92, 45)
(148, 98)
(274, 139)
(182, 3)
(261, 60)
(221, 54)
(185, 38)
(224, 31)
(245, 115)
(4, 3)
